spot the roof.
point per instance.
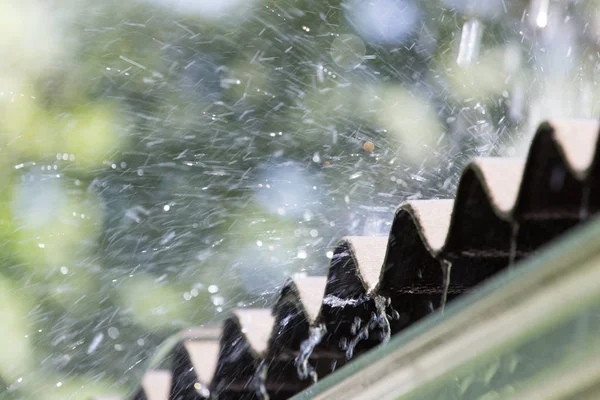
(529, 333)
(376, 287)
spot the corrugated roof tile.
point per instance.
(256, 325)
(156, 385)
(311, 290)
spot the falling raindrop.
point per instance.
(363, 334)
(378, 319)
(446, 269)
(333, 365)
(514, 234)
(381, 304)
(202, 390)
(355, 325)
(470, 42)
(95, 343)
(338, 302)
(539, 12)
(343, 343)
(260, 379)
(315, 335)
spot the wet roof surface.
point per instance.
(504, 210)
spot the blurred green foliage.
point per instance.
(148, 154)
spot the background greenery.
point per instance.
(164, 161)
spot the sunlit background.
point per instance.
(164, 161)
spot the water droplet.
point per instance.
(301, 254)
(469, 42)
(307, 347)
(541, 14)
(260, 378)
(113, 332)
(446, 269)
(95, 343)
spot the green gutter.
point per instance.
(527, 329)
